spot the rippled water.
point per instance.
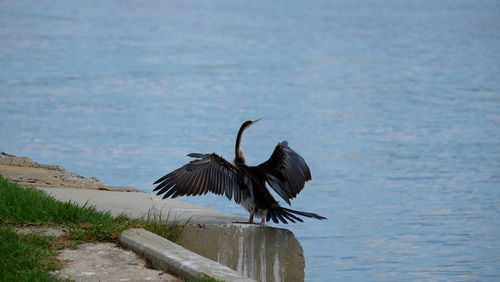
(395, 105)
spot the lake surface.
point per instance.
(395, 105)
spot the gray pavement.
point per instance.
(138, 204)
(107, 262)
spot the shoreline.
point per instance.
(25, 171)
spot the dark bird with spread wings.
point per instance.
(285, 171)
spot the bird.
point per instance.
(285, 172)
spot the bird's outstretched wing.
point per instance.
(208, 173)
(286, 171)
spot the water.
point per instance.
(395, 105)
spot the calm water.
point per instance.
(395, 105)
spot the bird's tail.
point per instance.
(282, 214)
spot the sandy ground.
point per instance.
(27, 172)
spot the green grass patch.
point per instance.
(26, 257)
(153, 222)
(28, 205)
(21, 205)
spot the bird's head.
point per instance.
(249, 123)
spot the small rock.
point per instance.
(40, 230)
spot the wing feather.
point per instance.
(286, 171)
(201, 180)
(193, 183)
(170, 192)
(207, 173)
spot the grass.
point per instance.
(25, 255)
(153, 222)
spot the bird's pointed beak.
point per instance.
(256, 121)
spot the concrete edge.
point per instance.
(168, 256)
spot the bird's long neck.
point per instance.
(239, 156)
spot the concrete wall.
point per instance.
(261, 253)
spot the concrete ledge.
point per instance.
(263, 253)
(175, 259)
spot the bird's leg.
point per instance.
(263, 222)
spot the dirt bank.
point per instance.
(27, 172)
